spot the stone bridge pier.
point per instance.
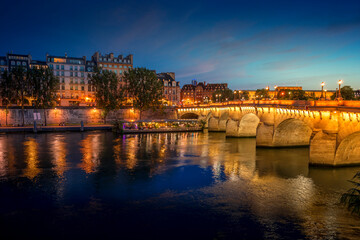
(333, 136)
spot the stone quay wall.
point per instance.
(74, 115)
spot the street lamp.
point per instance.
(322, 89)
(325, 94)
(235, 95)
(340, 82)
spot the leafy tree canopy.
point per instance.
(226, 95)
(144, 88)
(108, 92)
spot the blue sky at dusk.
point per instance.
(248, 44)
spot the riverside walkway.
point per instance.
(74, 128)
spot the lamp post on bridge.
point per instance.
(339, 96)
(322, 90)
(275, 95)
(325, 94)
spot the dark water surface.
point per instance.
(97, 185)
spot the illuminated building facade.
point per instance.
(73, 88)
(201, 92)
(171, 88)
(119, 65)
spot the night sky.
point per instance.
(248, 44)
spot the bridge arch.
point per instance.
(292, 132)
(348, 152)
(245, 127)
(189, 115)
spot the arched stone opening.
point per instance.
(348, 151)
(189, 116)
(245, 127)
(292, 132)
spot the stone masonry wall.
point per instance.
(76, 115)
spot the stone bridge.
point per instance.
(333, 135)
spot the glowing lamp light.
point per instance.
(323, 84)
(340, 81)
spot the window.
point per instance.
(63, 80)
(24, 63)
(120, 66)
(82, 74)
(71, 74)
(173, 91)
(165, 91)
(18, 63)
(62, 73)
(76, 68)
(57, 73)
(71, 80)
(71, 68)
(12, 62)
(63, 87)
(62, 67)
(125, 67)
(76, 74)
(57, 67)
(115, 71)
(120, 71)
(89, 88)
(105, 65)
(81, 68)
(76, 87)
(71, 87)
(82, 88)
(76, 81)
(165, 84)
(115, 66)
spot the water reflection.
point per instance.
(255, 192)
(31, 158)
(59, 151)
(91, 148)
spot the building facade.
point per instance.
(119, 65)
(73, 87)
(171, 88)
(196, 93)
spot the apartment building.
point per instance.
(171, 88)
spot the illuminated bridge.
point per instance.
(333, 134)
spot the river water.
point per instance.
(98, 185)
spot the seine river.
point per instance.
(97, 185)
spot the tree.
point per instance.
(43, 88)
(226, 94)
(351, 199)
(347, 93)
(145, 89)
(244, 95)
(6, 91)
(108, 92)
(288, 94)
(262, 93)
(21, 85)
